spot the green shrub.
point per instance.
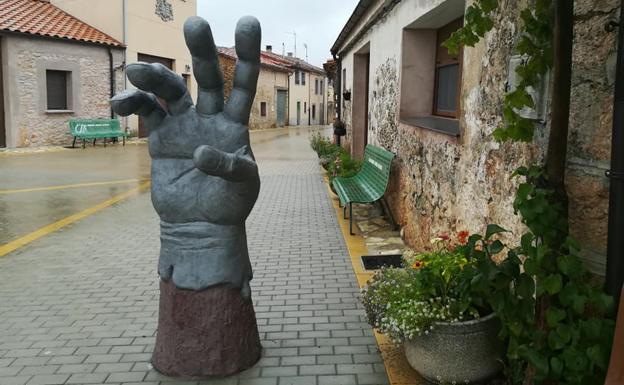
(334, 158)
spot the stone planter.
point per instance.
(458, 352)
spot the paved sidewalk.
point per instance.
(80, 305)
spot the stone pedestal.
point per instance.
(208, 333)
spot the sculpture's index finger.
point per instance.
(200, 42)
(248, 36)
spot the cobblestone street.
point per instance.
(79, 306)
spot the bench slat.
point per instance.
(370, 183)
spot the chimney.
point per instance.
(269, 48)
(289, 54)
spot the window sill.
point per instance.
(59, 111)
(448, 126)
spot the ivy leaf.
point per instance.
(574, 360)
(556, 367)
(552, 284)
(531, 266)
(539, 361)
(525, 286)
(489, 5)
(495, 247)
(554, 316)
(598, 356)
(494, 229)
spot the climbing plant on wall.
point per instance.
(554, 318)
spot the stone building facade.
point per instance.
(270, 106)
(84, 57)
(151, 31)
(450, 174)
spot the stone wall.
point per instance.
(268, 83)
(29, 124)
(443, 184)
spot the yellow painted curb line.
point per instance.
(398, 369)
(68, 186)
(20, 242)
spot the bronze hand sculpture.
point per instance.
(204, 184)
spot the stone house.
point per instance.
(151, 30)
(270, 106)
(53, 67)
(399, 89)
(308, 90)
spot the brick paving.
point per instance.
(80, 305)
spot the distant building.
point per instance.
(53, 67)
(270, 106)
(307, 86)
(151, 30)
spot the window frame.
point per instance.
(263, 109)
(303, 80)
(67, 80)
(445, 60)
(296, 76)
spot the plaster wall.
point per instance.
(146, 32)
(443, 184)
(24, 64)
(305, 95)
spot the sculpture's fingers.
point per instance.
(248, 35)
(205, 65)
(162, 82)
(141, 103)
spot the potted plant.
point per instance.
(448, 334)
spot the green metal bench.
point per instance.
(369, 184)
(87, 129)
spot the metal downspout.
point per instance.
(615, 242)
(112, 79)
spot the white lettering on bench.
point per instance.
(375, 163)
(84, 127)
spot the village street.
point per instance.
(79, 304)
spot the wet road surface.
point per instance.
(41, 188)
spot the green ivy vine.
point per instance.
(555, 319)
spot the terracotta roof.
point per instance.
(37, 17)
(294, 62)
(265, 60)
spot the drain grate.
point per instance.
(374, 262)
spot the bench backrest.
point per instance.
(93, 126)
(375, 171)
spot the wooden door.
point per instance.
(298, 113)
(281, 107)
(143, 132)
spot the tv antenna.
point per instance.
(294, 33)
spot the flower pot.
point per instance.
(458, 352)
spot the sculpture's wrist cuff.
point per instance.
(198, 255)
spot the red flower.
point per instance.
(462, 236)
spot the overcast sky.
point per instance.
(316, 22)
